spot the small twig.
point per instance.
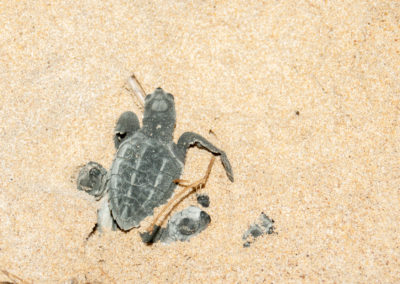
(181, 195)
(137, 88)
(14, 278)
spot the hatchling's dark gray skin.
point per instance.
(148, 161)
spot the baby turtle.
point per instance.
(182, 226)
(146, 164)
(265, 225)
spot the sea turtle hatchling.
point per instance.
(146, 164)
(182, 226)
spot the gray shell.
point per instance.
(142, 177)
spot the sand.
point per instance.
(302, 95)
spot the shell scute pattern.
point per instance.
(142, 178)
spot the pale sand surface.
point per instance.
(329, 176)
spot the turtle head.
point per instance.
(91, 179)
(159, 115)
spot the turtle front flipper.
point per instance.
(189, 139)
(127, 125)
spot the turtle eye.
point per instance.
(170, 96)
(120, 135)
(187, 226)
(94, 172)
